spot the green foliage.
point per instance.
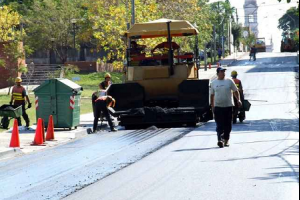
(2, 63)
(249, 41)
(70, 69)
(237, 33)
(49, 25)
(290, 20)
(9, 20)
(15, 53)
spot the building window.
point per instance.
(251, 19)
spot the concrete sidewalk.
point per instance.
(65, 136)
(26, 138)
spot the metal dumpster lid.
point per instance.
(66, 82)
(70, 84)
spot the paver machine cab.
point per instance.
(161, 89)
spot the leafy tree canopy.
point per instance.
(9, 21)
(290, 20)
(49, 25)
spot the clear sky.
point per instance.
(269, 12)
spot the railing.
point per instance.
(37, 74)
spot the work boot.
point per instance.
(114, 130)
(89, 131)
(221, 144)
(226, 144)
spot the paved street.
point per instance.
(179, 164)
(262, 162)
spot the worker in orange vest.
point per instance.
(100, 106)
(239, 85)
(20, 97)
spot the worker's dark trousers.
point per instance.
(24, 115)
(100, 106)
(223, 117)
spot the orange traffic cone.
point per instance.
(38, 139)
(50, 129)
(15, 139)
(43, 130)
(209, 65)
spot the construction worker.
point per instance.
(237, 82)
(20, 97)
(106, 83)
(239, 85)
(222, 104)
(100, 105)
(253, 53)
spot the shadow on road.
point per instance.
(254, 126)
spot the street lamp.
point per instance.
(52, 52)
(74, 21)
(132, 12)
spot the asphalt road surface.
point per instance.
(179, 164)
(261, 164)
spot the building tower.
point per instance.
(251, 21)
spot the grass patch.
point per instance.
(89, 82)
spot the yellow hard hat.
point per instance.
(107, 75)
(18, 80)
(234, 73)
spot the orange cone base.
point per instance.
(50, 130)
(42, 145)
(39, 134)
(15, 138)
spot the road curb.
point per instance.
(9, 153)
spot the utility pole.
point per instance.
(237, 16)
(219, 24)
(215, 46)
(223, 40)
(132, 12)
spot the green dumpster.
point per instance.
(61, 99)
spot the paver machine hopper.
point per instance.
(161, 89)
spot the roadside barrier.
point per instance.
(50, 129)
(15, 138)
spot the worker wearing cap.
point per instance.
(101, 105)
(222, 104)
(106, 83)
(239, 85)
(20, 97)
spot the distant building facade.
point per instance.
(251, 18)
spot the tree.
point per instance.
(249, 41)
(195, 11)
(290, 20)
(237, 34)
(9, 21)
(49, 25)
(10, 37)
(110, 19)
